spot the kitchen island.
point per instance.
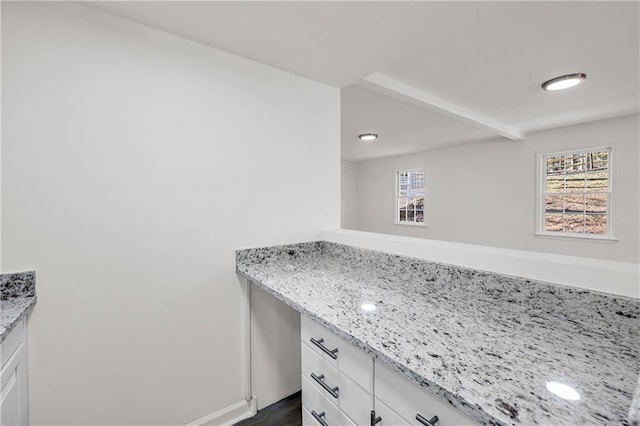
(491, 345)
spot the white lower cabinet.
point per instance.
(320, 410)
(408, 401)
(14, 408)
(387, 416)
(337, 379)
(338, 388)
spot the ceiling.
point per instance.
(403, 127)
(458, 72)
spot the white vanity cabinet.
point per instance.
(343, 385)
(14, 408)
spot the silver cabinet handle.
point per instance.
(319, 418)
(431, 422)
(320, 380)
(333, 353)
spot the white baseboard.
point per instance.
(230, 415)
(607, 276)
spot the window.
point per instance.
(576, 193)
(410, 197)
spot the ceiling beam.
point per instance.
(389, 86)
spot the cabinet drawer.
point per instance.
(408, 399)
(388, 416)
(11, 343)
(307, 418)
(354, 401)
(350, 360)
(312, 363)
(314, 401)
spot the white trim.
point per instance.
(230, 415)
(399, 90)
(608, 276)
(410, 223)
(575, 236)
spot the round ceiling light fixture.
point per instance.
(368, 137)
(564, 82)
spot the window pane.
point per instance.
(597, 181)
(596, 224)
(417, 203)
(553, 222)
(555, 183)
(574, 203)
(575, 163)
(575, 182)
(574, 223)
(420, 216)
(410, 216)
(553, 203)
(416, 187)
(403, 215)
(596, 203)
(598, 160)
(403, 184)
(555, 165)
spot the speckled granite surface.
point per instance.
(17, 298)
(487, 343)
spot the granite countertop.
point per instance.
(487, 343)
(17, 299)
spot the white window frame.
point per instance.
(396, 220)
(540, 200)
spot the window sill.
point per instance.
(576, 237)
(424, 225)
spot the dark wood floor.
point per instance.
(286, 412)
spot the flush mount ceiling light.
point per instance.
(368, 137)
(564, 82)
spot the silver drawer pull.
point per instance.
(333, 353)
(319, 418)
(320, 380)
(431, 422)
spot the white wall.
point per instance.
(133, 164)
(484, 193)
(348, 194)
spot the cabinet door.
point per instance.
(388, 417)
(409, 400)
(13, 390)
(13, 380)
